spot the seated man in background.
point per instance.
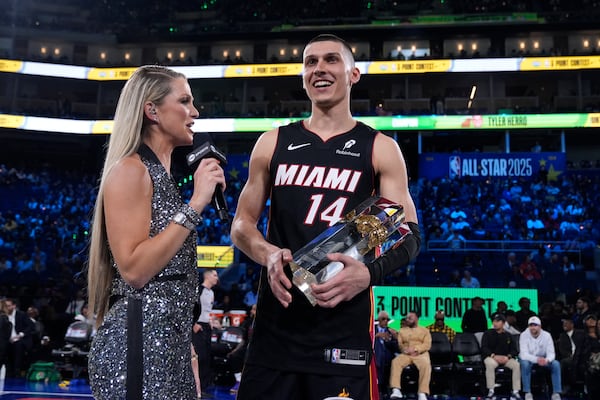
(440, 326)
(499, 348)
(415, 342)
(386, 347)
(568, 342)
(536, 347)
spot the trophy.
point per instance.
(365, 233)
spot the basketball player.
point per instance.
(315, 171)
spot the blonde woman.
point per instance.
(142, 278)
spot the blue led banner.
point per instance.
(481, 166)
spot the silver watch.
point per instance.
(182, 219)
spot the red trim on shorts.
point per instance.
(373, 386)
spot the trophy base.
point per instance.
(302, 279)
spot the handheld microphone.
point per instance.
(204, 148)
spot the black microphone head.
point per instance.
(203, 147)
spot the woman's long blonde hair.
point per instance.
(147, 83)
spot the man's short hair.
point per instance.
(329, 37)
(209, 271)
(348, 54)
(523, 300)
(383, 313)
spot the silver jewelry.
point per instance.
(192, 214)
(182, 219)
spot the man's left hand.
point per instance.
(351, 280)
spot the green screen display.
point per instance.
(399, 300)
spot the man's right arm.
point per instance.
(244, 231)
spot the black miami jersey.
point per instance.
(314, 184)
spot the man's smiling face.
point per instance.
(329, 72)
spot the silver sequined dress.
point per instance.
(167, 306)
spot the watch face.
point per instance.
(180, 218)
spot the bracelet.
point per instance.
(181, 219)
(193, 215)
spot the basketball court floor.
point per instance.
(20, 389)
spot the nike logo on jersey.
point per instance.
(293, 146)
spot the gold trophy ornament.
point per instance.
(364, 234)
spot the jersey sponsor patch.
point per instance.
(345, 150)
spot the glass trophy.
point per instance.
(365, 233)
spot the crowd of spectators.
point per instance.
(44, 225)
(541, 234)
(561, 210)
(565, 337)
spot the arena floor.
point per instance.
(20, 389)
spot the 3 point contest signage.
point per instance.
(482, 166)
(214, 256)
(399, 301)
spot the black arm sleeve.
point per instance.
(396, 257)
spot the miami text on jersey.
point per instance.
(318, 177)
